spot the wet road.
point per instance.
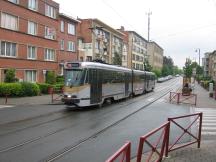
(54, 133)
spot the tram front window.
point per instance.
(74, 77)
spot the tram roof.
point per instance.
(103, 66)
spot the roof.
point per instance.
(69, 17)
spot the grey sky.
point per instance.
(178, 26)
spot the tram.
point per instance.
(93, 83)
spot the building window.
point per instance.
(32, 52)
(62, 44)
(50, 11)
(8, 49)
(71, 29)
(62, 26)
(9, 21)
(88, 58)
(33, 5)
(49, 55)
(30, 76)
(14, 1)
(71, 46)
(32, 28)
(49, 33)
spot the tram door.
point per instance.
(127, 81)
(96, 86)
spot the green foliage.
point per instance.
(189, 66)
(50, 77)
(19, 89)
(58, 87)
(44, 87)
(147, 66)
(30, 89)
(60, 79)
(10, 76)
(157, 72)
(11, 89)
(117, 59)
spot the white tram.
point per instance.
(92, 83)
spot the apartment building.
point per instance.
(212, 65)
(98, 40)
(155, 53)
(28, 38)
(205, 63)
(137, 50)
(35, 39)
(67, 37)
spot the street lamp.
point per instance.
(198, 50)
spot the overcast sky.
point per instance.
(178, 26)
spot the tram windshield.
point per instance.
(74, 77)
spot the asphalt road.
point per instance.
(54, 133)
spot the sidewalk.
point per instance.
(35, 100)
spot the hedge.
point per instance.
(19, 89)
(44, 87)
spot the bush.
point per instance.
(58, 87)
(44, 87)
(50, 77)
(11, 89)
(10, 76)
(60, 79)
(30, 89)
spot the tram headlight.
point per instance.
(69, 96)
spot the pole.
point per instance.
(149, 14)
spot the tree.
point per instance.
(117, 59)
(168, 66)
(10, 76)
(50, 77)
(147, 66)
(157, 72)
(187, 68)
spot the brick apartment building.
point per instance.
(97, 40)
(31, 38)
(67, 40)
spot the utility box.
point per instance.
(210, 87)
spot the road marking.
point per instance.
(209, 121)
(150, 99)
(5, 106)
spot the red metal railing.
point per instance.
(180, 98)
(122, 155)
(154, 147)
(174, 97)
(59, 95)
(197, 138)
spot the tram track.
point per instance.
(72, 147)
(68, 149)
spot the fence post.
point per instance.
(200, 129)
(52, 96)
(195, 99)
(178, 97)
(170, 97)
(128, 153)
(140, 149)
(6, 98)
(167, 139)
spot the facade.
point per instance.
(67, 40)
(212, 65)
(32, 40)
(28, 38)
(155, 53)
(137, 50)
(99, 41)
(205, 63)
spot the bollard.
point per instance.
(6, 98)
